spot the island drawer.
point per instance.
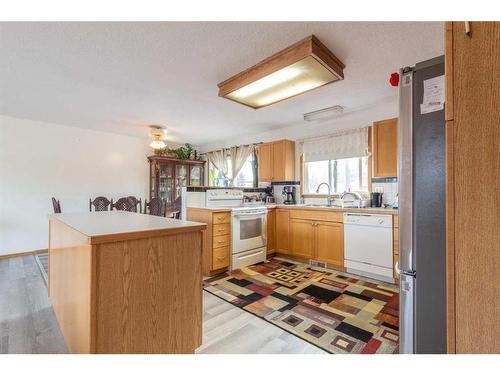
(220, 258)
(221, 217)
(221, 241)
(221, 229)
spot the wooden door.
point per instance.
(329, 240)
(282, 231)
(385, 148)
(302, 238)
(271, 231)
(279, 161)
(265, 154)
(473, 180)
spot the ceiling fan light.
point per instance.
(158, 135)
(158, 144)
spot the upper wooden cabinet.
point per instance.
(385, 148)
(277, 161)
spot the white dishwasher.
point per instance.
(368, 245)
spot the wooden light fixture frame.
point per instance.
(309, 46)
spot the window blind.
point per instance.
(341, 145)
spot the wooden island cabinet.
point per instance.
(123, 282)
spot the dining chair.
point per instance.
(134, 203)
(56, 205)
(175, 215)
(122, 204)
(154, 207)
(100, 204)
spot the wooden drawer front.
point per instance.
(221, 229)
(396, 240)
(221, 218)
(220, 258)
(221, 241)
(317, 215)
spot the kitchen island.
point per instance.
(122, 282)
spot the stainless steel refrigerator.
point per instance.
(422, 257)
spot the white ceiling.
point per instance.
(120, 77)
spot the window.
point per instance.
(245, 177)
(342, 175)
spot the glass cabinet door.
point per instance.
(181, 178)
(165, 182)
(196, 175)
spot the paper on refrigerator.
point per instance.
(433, 99)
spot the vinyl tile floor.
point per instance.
(28, 323)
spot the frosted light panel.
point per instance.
(297, 78)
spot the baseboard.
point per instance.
(23, 254)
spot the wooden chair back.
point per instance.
(134, 203)
(122, 204)
(56, 205)
(154, 207)
(100, 204)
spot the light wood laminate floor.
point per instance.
(28, 323)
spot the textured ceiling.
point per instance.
(120, 77)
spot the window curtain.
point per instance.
(340, 145)
(239, 156)
(219, 158)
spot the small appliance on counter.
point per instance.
(356, 199)
(289, 193)
(376, 199)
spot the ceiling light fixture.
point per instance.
(303, 66)
(324, 113)
(158, 134)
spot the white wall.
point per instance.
(40, 160)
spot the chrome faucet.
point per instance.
(330, 198)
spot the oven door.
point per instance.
(249, 230)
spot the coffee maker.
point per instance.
(289, 193)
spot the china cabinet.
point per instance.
(167, 175)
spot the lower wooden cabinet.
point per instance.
(216, 238)
(271, 231)
(282, 230)
(314, 235)
(329, 241)
(302, 238)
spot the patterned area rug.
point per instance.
(333, 310)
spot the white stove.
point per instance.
(248, 229)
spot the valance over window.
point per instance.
(341, 145)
